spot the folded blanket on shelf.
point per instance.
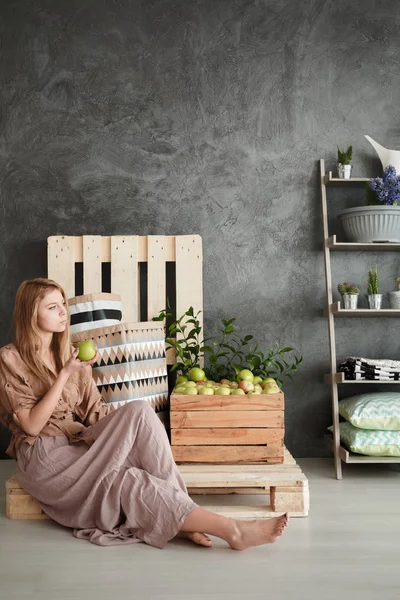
(359, 368)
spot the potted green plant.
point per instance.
(344, 162)
(379, 219)
(374, 297)
(226, 353)
(349, 293)
(394, 296)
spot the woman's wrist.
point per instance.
(63, 375)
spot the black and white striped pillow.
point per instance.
(92, 311)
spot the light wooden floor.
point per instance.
(348, 548)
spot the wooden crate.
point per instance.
(125, 255)
(19, 504)
(227, 429)
(285, 484)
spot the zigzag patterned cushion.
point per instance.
(132, 362)
(370, 443)
(380, 410)
(92, 311)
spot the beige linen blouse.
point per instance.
(20, 388)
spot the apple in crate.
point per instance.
(245, 375)
(246, 386)
(223, 391)
(271, 388)
(268, 380)
(203, 390)
(196, 374)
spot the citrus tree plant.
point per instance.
(226, 353)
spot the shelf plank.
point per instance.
(333, 244)
(338, 311)
(330, 180)
(339, 378)
(350, 457)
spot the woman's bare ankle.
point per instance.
(234, 536)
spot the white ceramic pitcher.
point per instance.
(388, 157)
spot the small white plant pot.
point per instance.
(394, 300)
(375, 301)
(344, 171)
(350, 301)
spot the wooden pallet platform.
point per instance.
(286, 485)
(125, 254)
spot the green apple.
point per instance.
(196, 374)
(225, 385)
(87, 350)
(189, 384)
(257, 379)
(179, 389)
(237, 392)
(246, 375)
(268, 380)
(181, 379)
(223, 391)
(190, 391)
(271, 388)
(257, 389)
(205, 391)
(234, 385)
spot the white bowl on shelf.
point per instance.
(366, 224)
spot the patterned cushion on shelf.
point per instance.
(368, 442)
(380, 410)
(132, 364)
(92, 311)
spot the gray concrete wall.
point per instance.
(161, 117)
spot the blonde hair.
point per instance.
(27, 332)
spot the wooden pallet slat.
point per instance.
(91, 252)
(231, 418)
(61, 262)
(156, 276)
(227, 454)
(225, 403)
(227, 435)
(125, 275)
(189, 275)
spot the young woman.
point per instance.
(108, 474)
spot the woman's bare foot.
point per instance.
(255, 533)
(198, 538)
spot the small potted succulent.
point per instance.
(344, 159)
(349, 293)
(374, 297)
(394, 297)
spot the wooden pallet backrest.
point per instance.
(125, 253)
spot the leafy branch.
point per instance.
(227, 353)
